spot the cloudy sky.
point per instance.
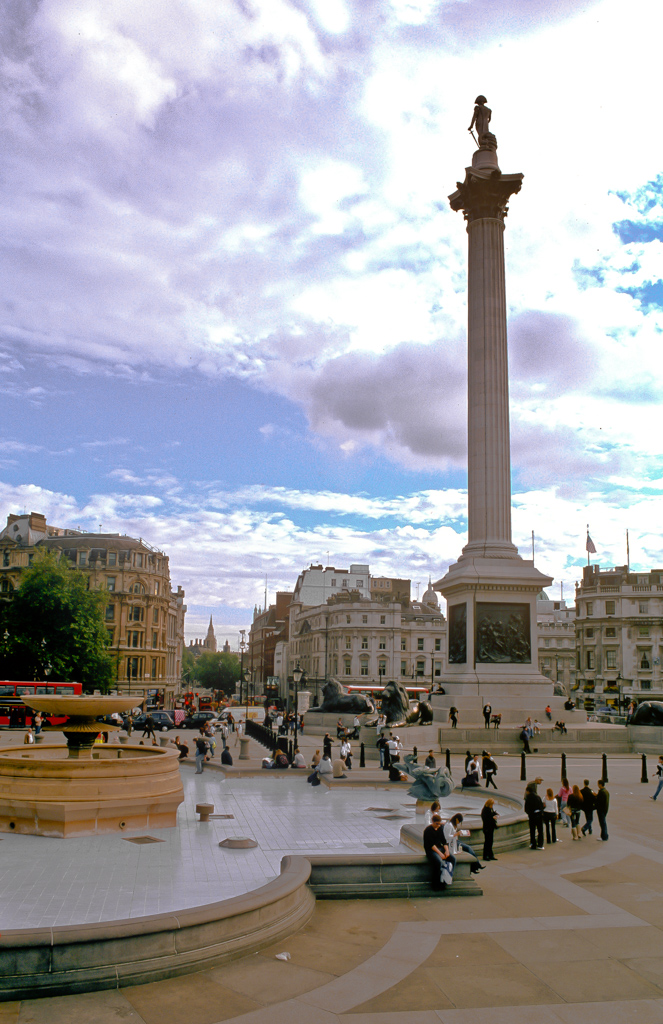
(233, 292)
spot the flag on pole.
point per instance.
(589, 546)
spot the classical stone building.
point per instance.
(557, 642)
(144, 616)
(358, 640)
(619, 634)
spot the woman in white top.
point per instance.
(433, 809)
(298, 760)
(550, 809)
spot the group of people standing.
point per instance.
(566, 807)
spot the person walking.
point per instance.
(453, 717)
(550, 812)
(489, 768)
(39, 721)
(574, 803)
(489, 818)
(524, 735)
(658, 773)
(562, 797)
(602, 804)
(381, 744)
(487, 711)
(534, 812)
(148, 728)
(588, 803)
(201, 753)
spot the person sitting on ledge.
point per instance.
(281, 759)
(298, 760)
(569, 705)
(315, 760)
(395, 773)
(338, 769)
(561, 727)
(226, 756)
(325, 767)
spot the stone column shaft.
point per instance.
(489, 458)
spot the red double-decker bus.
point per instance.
(13, 712)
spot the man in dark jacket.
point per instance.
(588, 803)
(602, 803)
(534, 812)
(436, 850)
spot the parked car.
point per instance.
(163, 721)
(198, 718)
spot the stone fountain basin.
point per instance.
(44, 792)
(80, 707)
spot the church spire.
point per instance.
(210, 639)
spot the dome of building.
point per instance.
(430, 598)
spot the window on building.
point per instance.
(155, 639)
(645, 684)
(110, 612)
(364, 619)
(421, 667)
(610, 607)
(347, 666)
(643, 631)
(139, 561)
(403, 643)
(333, 583)
(610, 631)
(360, 583)
(363, 668)
(154, 668)
(137, 588)
(382, 668)
(383, 619)
(136, 639)
(110, 582)
(348, 642)
(82, 557)
(438, 668)
(132, 667)
(546, 642)
(5, 586)
(345, 583)
(438, 644)
(590, 659)
(382, 643)
(404, 668)
(155, 616)
(111, 558)
(644, 660)
(30, 558)
(420, 643)
(643, 581)
(590, 607)
(643, 607)
(589, 633)
(546, 662)
(611, 659)
(364, 643)
(156, 587)
(136, 613)
(111, 636)
(5, 558)
(347, 618)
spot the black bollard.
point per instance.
(447, 759)
(564, 775)
(290, 751)
(415, 754)
(362, 756)
(523, 767)
(604, 770)
(643, 777)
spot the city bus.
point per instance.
(13, 712)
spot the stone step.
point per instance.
(397, 876)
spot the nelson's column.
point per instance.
(490, 591)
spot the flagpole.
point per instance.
(587, 544)
(532, 545)
(628, 555)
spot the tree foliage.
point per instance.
(218, 671)
(53, 627)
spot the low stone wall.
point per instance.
(81, 958)
(394, 876)
(512, 832)
(646, 739)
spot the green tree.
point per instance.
(218, 671)
(53, 627)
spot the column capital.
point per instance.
(485, 194)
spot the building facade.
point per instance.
(359, 641)
(269, 628)
(557, 642)
(144, 616)
(619, 634)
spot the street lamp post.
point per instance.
(297, 674)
